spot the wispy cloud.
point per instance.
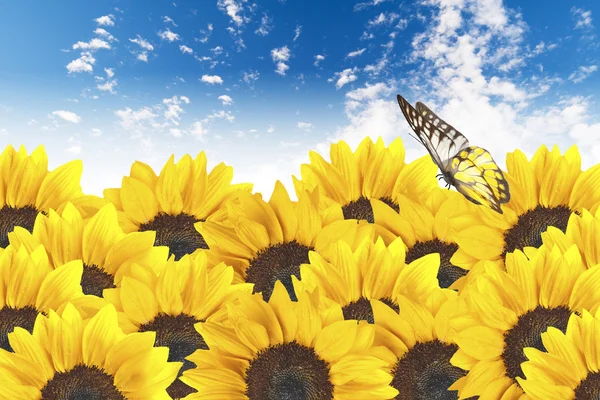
(174, 110)
(233, 9)
(297, 32)
(356, 53)
(168, 35)
(105, 34)
(94, 44)
(305, 126)
(145, 45)
(184, 49)
(582, 73)
(318, 59)
(583, 18)
(168, 20)
(346, 76)
(265, 25)
(205, 33)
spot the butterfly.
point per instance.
(470, 169)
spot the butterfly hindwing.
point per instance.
(478, 178)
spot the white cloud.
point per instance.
(168, 20)
(251, 77)
(265, 25)
(206, 34)
(233, 9)
(107, 20)
(32, 121)
(305, 126)
(96, 132)
(583, 18)
(137, 121)
(110, 72)
(217, 50)
(143, 56)
(582, 73)
(227, 100)
(184, 49)
(143, 43)
(360, 6)
(68, 116)
(370, 92)
(222, 114)
(108, 86)
(176, 132)
(211, 79)
(105, 34)
(318, 59)
(197, 130)
(82, 64)
(168, 35)
(93, 45)
(297, 32)
(174, 109)
(345, 77)
(280, 56)
(384, 18)
(75, 146)
(356, 53)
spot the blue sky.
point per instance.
(258, 84)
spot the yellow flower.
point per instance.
(268, 241)
(27, 188)
(568, 369)
(29, 286)
(170, 203)
(185, 292)
(506, 311)
(106, 251)
(283, 349)
(372, 172)
(351, 279)
(582, 230)
(544, 192)
(421, 343)
(428, 227)
(67, 357)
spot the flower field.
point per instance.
(376, 283)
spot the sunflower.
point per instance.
(428, 227)
(185, 292)
(569, 368)
(421, 343)
(183, 194)
(31, 286)
(67, 357)
(582, 230)
(506, 311)
(27, 188)
(106, 251)
(545, 192)
(351, 279)
(285, 349)
(268, 241)
(352, 179)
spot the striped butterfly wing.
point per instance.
(477, 176)
(444, 138)
(416, 122)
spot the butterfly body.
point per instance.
(470, 169)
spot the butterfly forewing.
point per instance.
(445, 139)
(416, 122)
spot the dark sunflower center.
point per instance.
(589, 388)
(288, 371)
(361, 208)
(448, 272)
(277, 263)
(82, 382)
(179, 335)
(94, 280)
(425, 372)
(177, 232)
(361, 309)
(13, 317)
(528, 230)
(11, 217)
(526, 333)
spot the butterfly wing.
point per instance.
(444, 138)
(477, 176)
(416, 122)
